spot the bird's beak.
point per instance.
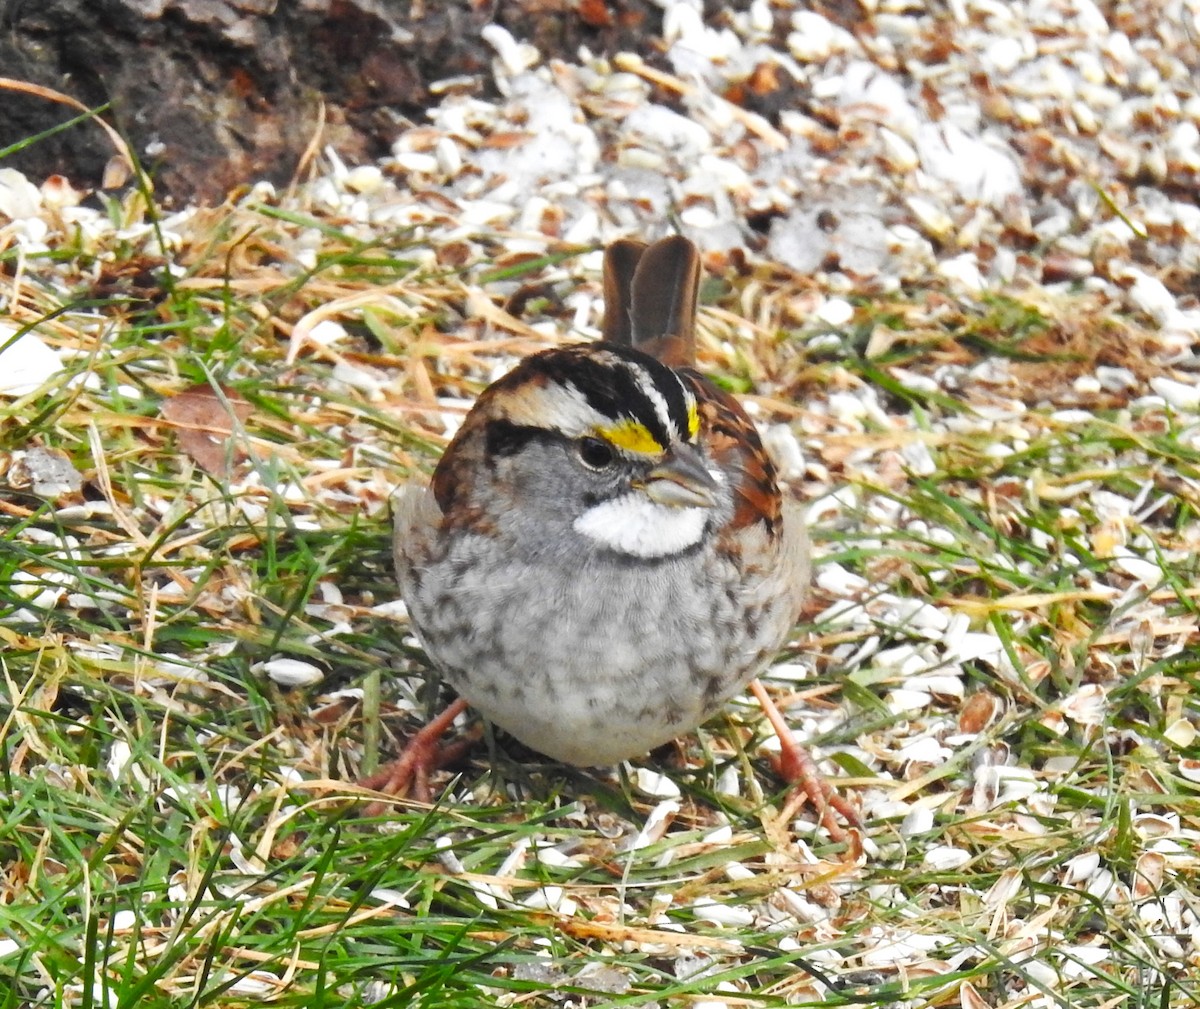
(681, 480)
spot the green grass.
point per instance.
(177, 830)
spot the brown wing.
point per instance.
(650, 298)
(732, 440)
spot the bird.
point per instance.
(605, 554)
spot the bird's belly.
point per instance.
(583, 709)
(596, 729)
(593, 671)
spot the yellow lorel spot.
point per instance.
(632, 436)
(693, 419)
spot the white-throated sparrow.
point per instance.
(604, 555)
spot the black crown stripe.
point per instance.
(503, 437)
(615, 389)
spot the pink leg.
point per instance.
(410, 771)
(796, 765)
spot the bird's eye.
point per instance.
(595, 453)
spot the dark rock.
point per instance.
(213, 94)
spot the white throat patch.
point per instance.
(634, 525)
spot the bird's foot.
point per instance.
(796, 765)
(408, 774)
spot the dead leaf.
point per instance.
(205, 420)
(595, 13)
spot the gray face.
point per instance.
(588, 450)
(574, 497)
(550, 481)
